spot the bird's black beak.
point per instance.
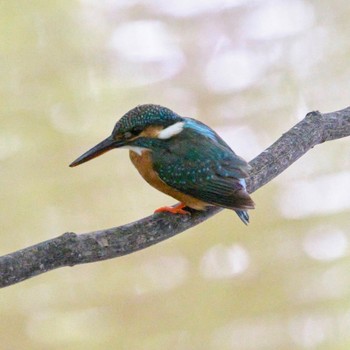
(103, 147)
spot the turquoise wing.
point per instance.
(202, 165)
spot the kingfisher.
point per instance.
(181, 157)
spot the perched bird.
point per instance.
(181, 157)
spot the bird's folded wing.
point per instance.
(212, 174)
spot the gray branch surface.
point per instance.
(71, 249)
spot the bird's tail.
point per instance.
(243, 215)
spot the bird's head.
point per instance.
(141, 128)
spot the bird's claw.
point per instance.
(177, 209)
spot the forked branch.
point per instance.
(71, 249)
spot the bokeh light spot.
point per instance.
(325, 243)
(223, 262)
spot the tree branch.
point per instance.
(71, 249)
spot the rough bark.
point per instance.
(70, 249)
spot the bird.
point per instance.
(181, 157)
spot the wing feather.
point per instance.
(204, 167)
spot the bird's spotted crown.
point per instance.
(146, 115)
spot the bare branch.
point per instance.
(70, 249)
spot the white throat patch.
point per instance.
(135, 149)
(171, 131)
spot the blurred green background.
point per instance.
(251, 70)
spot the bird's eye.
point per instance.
(136, 130)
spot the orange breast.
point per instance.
(144, 165)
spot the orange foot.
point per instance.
(177, 209)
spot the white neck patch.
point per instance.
(135, 149)
(171, 131)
